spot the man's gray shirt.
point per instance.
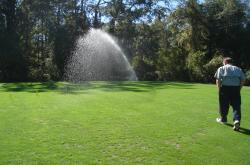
(230, 75)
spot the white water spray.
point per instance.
(98, 57)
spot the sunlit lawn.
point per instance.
(118, 123)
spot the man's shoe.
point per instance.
(219, 120)
(236, 125)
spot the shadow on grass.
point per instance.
(79, 88)
(242, 130)
(29, 87)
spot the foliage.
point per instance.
(185, 42)
(248, 77)
(195, 63)
(211, 67)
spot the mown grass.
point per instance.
(118, 123)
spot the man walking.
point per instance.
(229, 80)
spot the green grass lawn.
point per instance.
(118, 123)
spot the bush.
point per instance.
(195, 62)
(211, 67)
(248, 78)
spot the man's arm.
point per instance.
(218, 83)
(217, 75)
(242, 79)
(242, 82)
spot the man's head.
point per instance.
(227, 60)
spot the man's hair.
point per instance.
(228, 60)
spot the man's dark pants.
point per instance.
(230, 95)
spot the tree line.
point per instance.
(182, 40)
